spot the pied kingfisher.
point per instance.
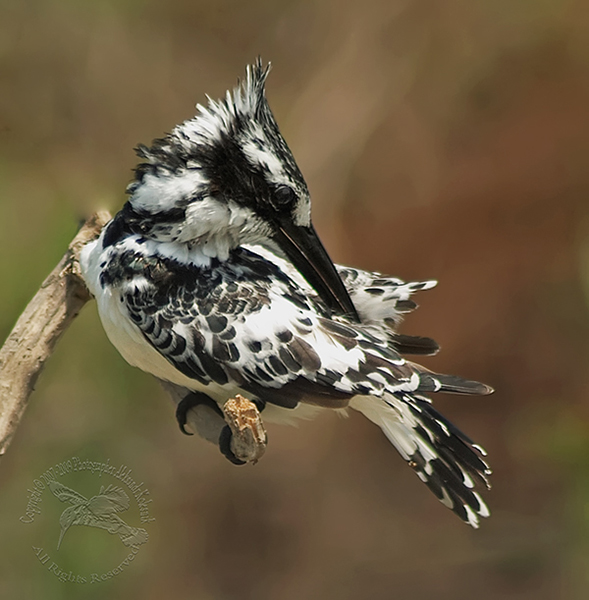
(213, 279)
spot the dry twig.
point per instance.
(33, 338)
(249, 436)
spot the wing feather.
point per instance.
(257, 328)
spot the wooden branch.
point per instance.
(249, 439)
(47, 316)
(32, 340)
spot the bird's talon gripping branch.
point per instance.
(243, 439)
(192, 400)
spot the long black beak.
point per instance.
(306, 252)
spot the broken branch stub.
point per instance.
(249, 439)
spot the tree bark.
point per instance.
(33, 338)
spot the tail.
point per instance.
(445, 459)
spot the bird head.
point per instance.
(227, 178)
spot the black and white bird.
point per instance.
(213, 279)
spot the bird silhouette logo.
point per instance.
(99, 511)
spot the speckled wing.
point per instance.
(247, 323)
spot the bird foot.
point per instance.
(243, 439)
(192, 400)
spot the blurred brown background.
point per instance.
(444, 139)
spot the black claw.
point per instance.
(225, 446)
(190, 401)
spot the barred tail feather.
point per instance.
(445, 459)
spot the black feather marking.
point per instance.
(452, 384)
(277, 366)
(263, 375)
(284, 336)
(136, 317)
(304, 354)
(355, 376)
(212, 368)
(221, 350)
(374, 291)
(301, 390)
(164, 341)
(166, 323)
(198, 341)
(346, 342)
(338, 328)
(217, 323)
(205, 308)
(362, 389)
(388, 352)
(328, 378)
(461, 446)
(228, 334)
(297, 300)
(289, 360)
(453, 483)
(228, 293)
(372, 363)
(412, 344)
(189, 368)
(180, 346)
(405, 305)
(450, 470)
(450, 466)
(254, 346)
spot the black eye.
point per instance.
(284, 196)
